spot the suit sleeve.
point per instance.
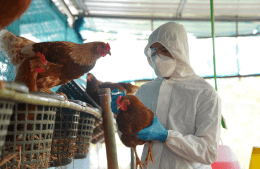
(202, 147)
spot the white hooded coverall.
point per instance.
(186, 105)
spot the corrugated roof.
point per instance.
(164, 9)
(196, 9)
(140, 16)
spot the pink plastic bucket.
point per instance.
(226, 159)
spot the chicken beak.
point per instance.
(89, 77)
(118, 106)
(108, 52)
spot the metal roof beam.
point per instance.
(129, 8)
(180, 8)
(130, 2)
(247, 3)
(167, 10)
(82, 6)
(231, 36)
(223, 19)
(67, 10)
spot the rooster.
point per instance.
(67, 60)
(132, 117)
(93, 85)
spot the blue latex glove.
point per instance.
(114, 98)
(154, 132)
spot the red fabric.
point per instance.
(225, 165)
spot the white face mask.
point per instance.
(163, 66)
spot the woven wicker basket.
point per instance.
(6, 109)
(85, 132)
(29, 136)
(64, 139)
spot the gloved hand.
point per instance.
(114, 98)
(154, 132)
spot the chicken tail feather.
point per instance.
(11, 45)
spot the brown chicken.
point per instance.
(132, 117)
(70, 60)
(29, 69)
(93, 85)
(27, 73)
(12, 10)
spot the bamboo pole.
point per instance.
(109, 128)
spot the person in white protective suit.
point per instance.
(186, 131)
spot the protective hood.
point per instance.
(173, 37)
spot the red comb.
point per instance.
(43, 57)
(108, 46)
(118, 99)
(123, 105)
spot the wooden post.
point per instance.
(109, 128)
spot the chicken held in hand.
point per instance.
(132, 117)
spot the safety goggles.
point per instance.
(152, 51)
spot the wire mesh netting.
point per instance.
(6, 69)
(43, 22)
(40, 23)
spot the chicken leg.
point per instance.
(150, 154)
(138, 161)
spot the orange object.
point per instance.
(11, 10)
